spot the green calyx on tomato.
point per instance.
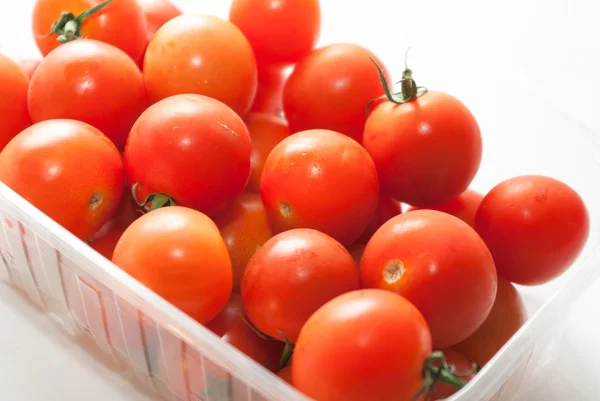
(410, 91)
(435, 370)
(156, 200)
(288, 350)
(68, 26)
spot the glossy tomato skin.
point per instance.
(89, 81)
(361, 346)
(29, 65)
(14, 116)
(438, 263)
(280, 32)
(266, 132)
(106, 245)
(179, 254)
(231, 327)
(245, 228)
(330, 89)
(180, 60)
(192, 148)
(269, 95)
(462, 368)
(535, 227)
(507, 316)
(106, 25)
(67, 169)
(464, 206)
(323, 180)
(291, 276)
(386, 209)
(427, 151)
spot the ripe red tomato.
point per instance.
(266, 132)
(120, 23)
(232, 326)
(68, 170)
(362, 346)
(386, 209)
(245, 228)
(179, 254)
(157, 13)
(89, 81)
(269, 95)
(507, 316)
(192, 148)
(106, 245)
(427, 150)
(464, 206)
(14, 116)
(438, 263)
(462, 368)
(330, 89)
(180, 59)
(280, 32)
(535, 227)
(305, 184)
(29, 65)
(291, 276)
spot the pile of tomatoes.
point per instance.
(270, 208)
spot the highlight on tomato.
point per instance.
(14, 116)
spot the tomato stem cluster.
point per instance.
(436, 369)
(68, 26)
(158, 199)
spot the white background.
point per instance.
(528, 69)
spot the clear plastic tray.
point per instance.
(523, 134)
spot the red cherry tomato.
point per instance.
(464, 207)
(438, 263)
(29, 65)
(179, 254)
(68, 170)
(269, 95)
(362, 346)
(181, 59)
(89, 81)
(291, 276)
(463, 368)
(245, 228)
(507, 316)
(192, 148)
(106, 245)
(157, 13)
(535, 227)
(386, 209)
(427, 150)
(14, 116)
(120, 23)
(232, 326)
(323, 180)
(280, 32)
(266, 132)
(330, 89)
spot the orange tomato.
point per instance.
(14, 116)
(266, 131)
(245, 228)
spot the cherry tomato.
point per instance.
(29, 65)
(438, 263)
(323, 180)
(192, 148)
(89, 81)
(535, 227)
(280, 32)
(157, 13)
(269, 95)
(266, 132)
(386, 209)
(127, 212)
(120, 23)
(67, 169)
(105, 245)
(462, 368)
(362, 346)
(180, 59)
(245, 228)
(330, 89)
(14, 116)
(232, 326)
(464, 207)
(179, 254)
(427, 150)
(291, 276)
(507, 316)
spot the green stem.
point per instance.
(158, 199)
(288, 351)
(68, 26)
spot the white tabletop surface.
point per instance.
(550, 48)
